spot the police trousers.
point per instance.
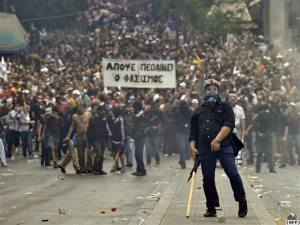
(208, 165)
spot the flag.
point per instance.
(3, 70)
(198, 60)
(293, 89)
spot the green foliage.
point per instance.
(193, 13)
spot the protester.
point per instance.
(139, 136)
(182, 120)
(210, 125)
(152, 136)
(118, 139)
(27, 124)
(52, 132)
(80, 122)
(294, 134)
(264, 127)
(2, 149)
(13, 121)
(97, 132)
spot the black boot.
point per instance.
(243, 209)
(62, 169)
(210, 212)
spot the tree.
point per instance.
(195, 13)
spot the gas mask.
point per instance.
(232, 103)
(211, 102)
(211, 92)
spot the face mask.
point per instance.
(17, 108)
(232, 103)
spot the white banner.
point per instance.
(139, 73)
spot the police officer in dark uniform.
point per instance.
(264, 127)
(210, 125)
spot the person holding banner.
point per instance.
(210, 125)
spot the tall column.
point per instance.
(276, 16)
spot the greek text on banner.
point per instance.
(139, 73)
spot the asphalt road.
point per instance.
(30, 193)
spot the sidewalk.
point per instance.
(171, 208)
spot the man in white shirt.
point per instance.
(239, 116)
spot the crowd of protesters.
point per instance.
(54, 95)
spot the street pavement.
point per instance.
(32, 194)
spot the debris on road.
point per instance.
(139, 197)
(45, 220)
(103, 211)
(258, 191)
(113, 209)
(62, 211)
(124, 219)
(59, 178)
(221, 219)
(141, 220)
(154, 197)
(115, 221)
(285, 204)
(28, 193)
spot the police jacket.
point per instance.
(207, 122)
